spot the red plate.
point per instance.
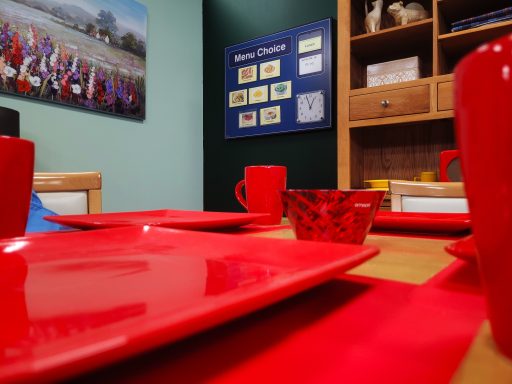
(421, 222)
(464, 249)
(71, 302)
(198, 220)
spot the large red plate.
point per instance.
(172, 218)
(78, 300)
(422, 222)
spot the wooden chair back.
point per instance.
(64, 182)
(427, 196)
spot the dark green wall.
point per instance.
(309, 156)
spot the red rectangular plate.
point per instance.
(171, 218)
(421, 222)
(75, 301)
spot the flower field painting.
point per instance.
(83, 53)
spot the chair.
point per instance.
(69, 193)
(417, 196)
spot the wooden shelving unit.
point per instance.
(405, 137)
(457, 44)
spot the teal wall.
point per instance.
(309, 156)
(153, 164)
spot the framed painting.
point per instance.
(82, 53)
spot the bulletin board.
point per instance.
(280, 82)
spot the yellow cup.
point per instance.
(426, 177)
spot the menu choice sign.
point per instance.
(261, 52)
(280, 82)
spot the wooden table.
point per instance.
(275, 332)
(394, 261)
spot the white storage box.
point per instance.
(391, 72)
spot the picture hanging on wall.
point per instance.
(82, 53)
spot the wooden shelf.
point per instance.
(413, 39)
(404, 136)
(398, 151)
(404, 119)
(457, 44)
(407, 37)
(413, 83)
(390, 87)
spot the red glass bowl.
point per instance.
(342, 216)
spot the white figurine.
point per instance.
(372, 20)
(412, 12)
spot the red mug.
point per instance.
(16, 175)
(483, 95)
(262, 185)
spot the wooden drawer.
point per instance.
(445, 96)
(406, 101)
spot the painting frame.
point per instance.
(86, 54)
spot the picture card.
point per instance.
(258, 94)
(280, 91)
(310, 64)
(270, 115)
(247, 119)
(247, 74)
(270, 69)
(238, 98)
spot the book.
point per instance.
(480, 23)
(484, 17)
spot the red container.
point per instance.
(262, 185)
(483, 96)
(449, 165)
(331, 215)
(16, 175)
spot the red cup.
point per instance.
(262, 185)
(483, 95)
(16, 175)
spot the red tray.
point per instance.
(421, 222)
(171, 218)
(74, 301)
(351, 330)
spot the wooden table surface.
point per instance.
(415, 260)
(394, 261)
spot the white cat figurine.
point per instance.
(412, 12)
(372, 20)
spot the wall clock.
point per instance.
(310, 107)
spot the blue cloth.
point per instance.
(35, 222)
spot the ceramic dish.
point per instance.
(332, 215)
(72, 302)
(193, 220)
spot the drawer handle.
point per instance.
(384, 103)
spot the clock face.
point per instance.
(311, 107)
